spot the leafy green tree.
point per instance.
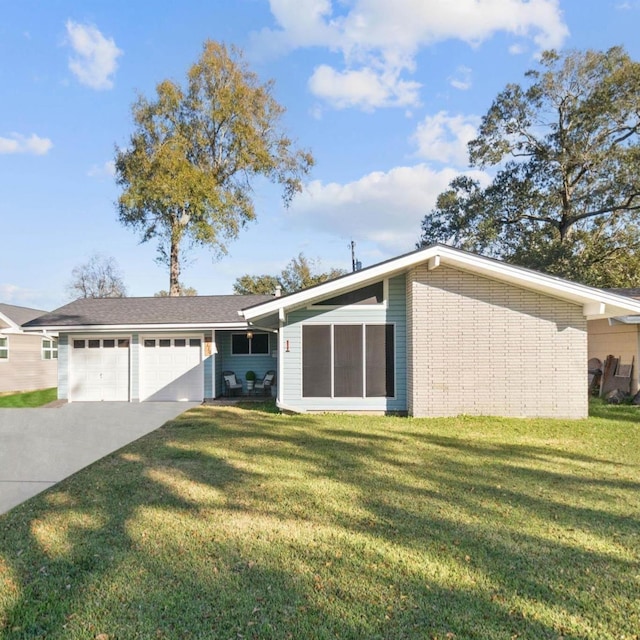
(195, 153)
(299, 274)
(566, 193)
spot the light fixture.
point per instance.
(249, 335)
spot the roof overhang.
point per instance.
(12, 327)
(595, 303)
(105, 328)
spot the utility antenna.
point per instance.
(356, 265)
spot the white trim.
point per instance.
(137, 328)
(615, 305)
(13, 326)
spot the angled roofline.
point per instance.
(596, 303)
(13, 326)
(132, 327)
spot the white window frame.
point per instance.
(244, 333)
(4, 349)
(363, 326)
(51, 349)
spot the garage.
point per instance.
(171, 368)
(100, 369)
(147, 349)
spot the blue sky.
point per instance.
(384, 94)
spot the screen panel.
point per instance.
(316, 361)
(380, 361)
(347, 373)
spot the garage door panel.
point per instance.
(99, 372)
(171, 369)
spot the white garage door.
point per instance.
(171, 368)
(99, 369)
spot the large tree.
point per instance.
(300, 273)
(183, 291)
(99, 277)
(565, 197)
(188, 171)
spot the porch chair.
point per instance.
(231, 384)
(266, 383)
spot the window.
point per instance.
(149, 343)
(371, 294)
(4, 348)
(78, 344)
(93, 344)
(348, 361)
(49, 349)
(123, 343)
(179, 342)
(164, 342)
(256, 344)
(108, 344)
(194, 342)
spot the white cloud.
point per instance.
(13, 294)
(378, 40)
(17, 143)
(385, 208)
(444, 138)
(364, 88)
(106, 170)
(95, 59)
(462, 79)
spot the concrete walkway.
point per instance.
(40, 447)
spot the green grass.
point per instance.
(28, 398)
(242, 523)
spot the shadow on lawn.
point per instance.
(216, 526)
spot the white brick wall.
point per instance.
(478, 346)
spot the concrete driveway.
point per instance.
(40, 447)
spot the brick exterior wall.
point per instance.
(482, 347)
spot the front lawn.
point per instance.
(243, 523)
(28, 398)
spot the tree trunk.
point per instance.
(174, 265)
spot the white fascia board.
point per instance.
(595, 302)
(137, 328)
(13, 327)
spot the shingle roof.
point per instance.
(19, 315)
(632, 292)
(195, 310)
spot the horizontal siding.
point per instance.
(240, 364)
(24, 369)
(393, 313)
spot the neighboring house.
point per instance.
(438, 332)
(431, 333)
(137, 349)
(619, 337)
(27, 360)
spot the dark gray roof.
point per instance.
(632, 292)
(195, 310)
(20, 315)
